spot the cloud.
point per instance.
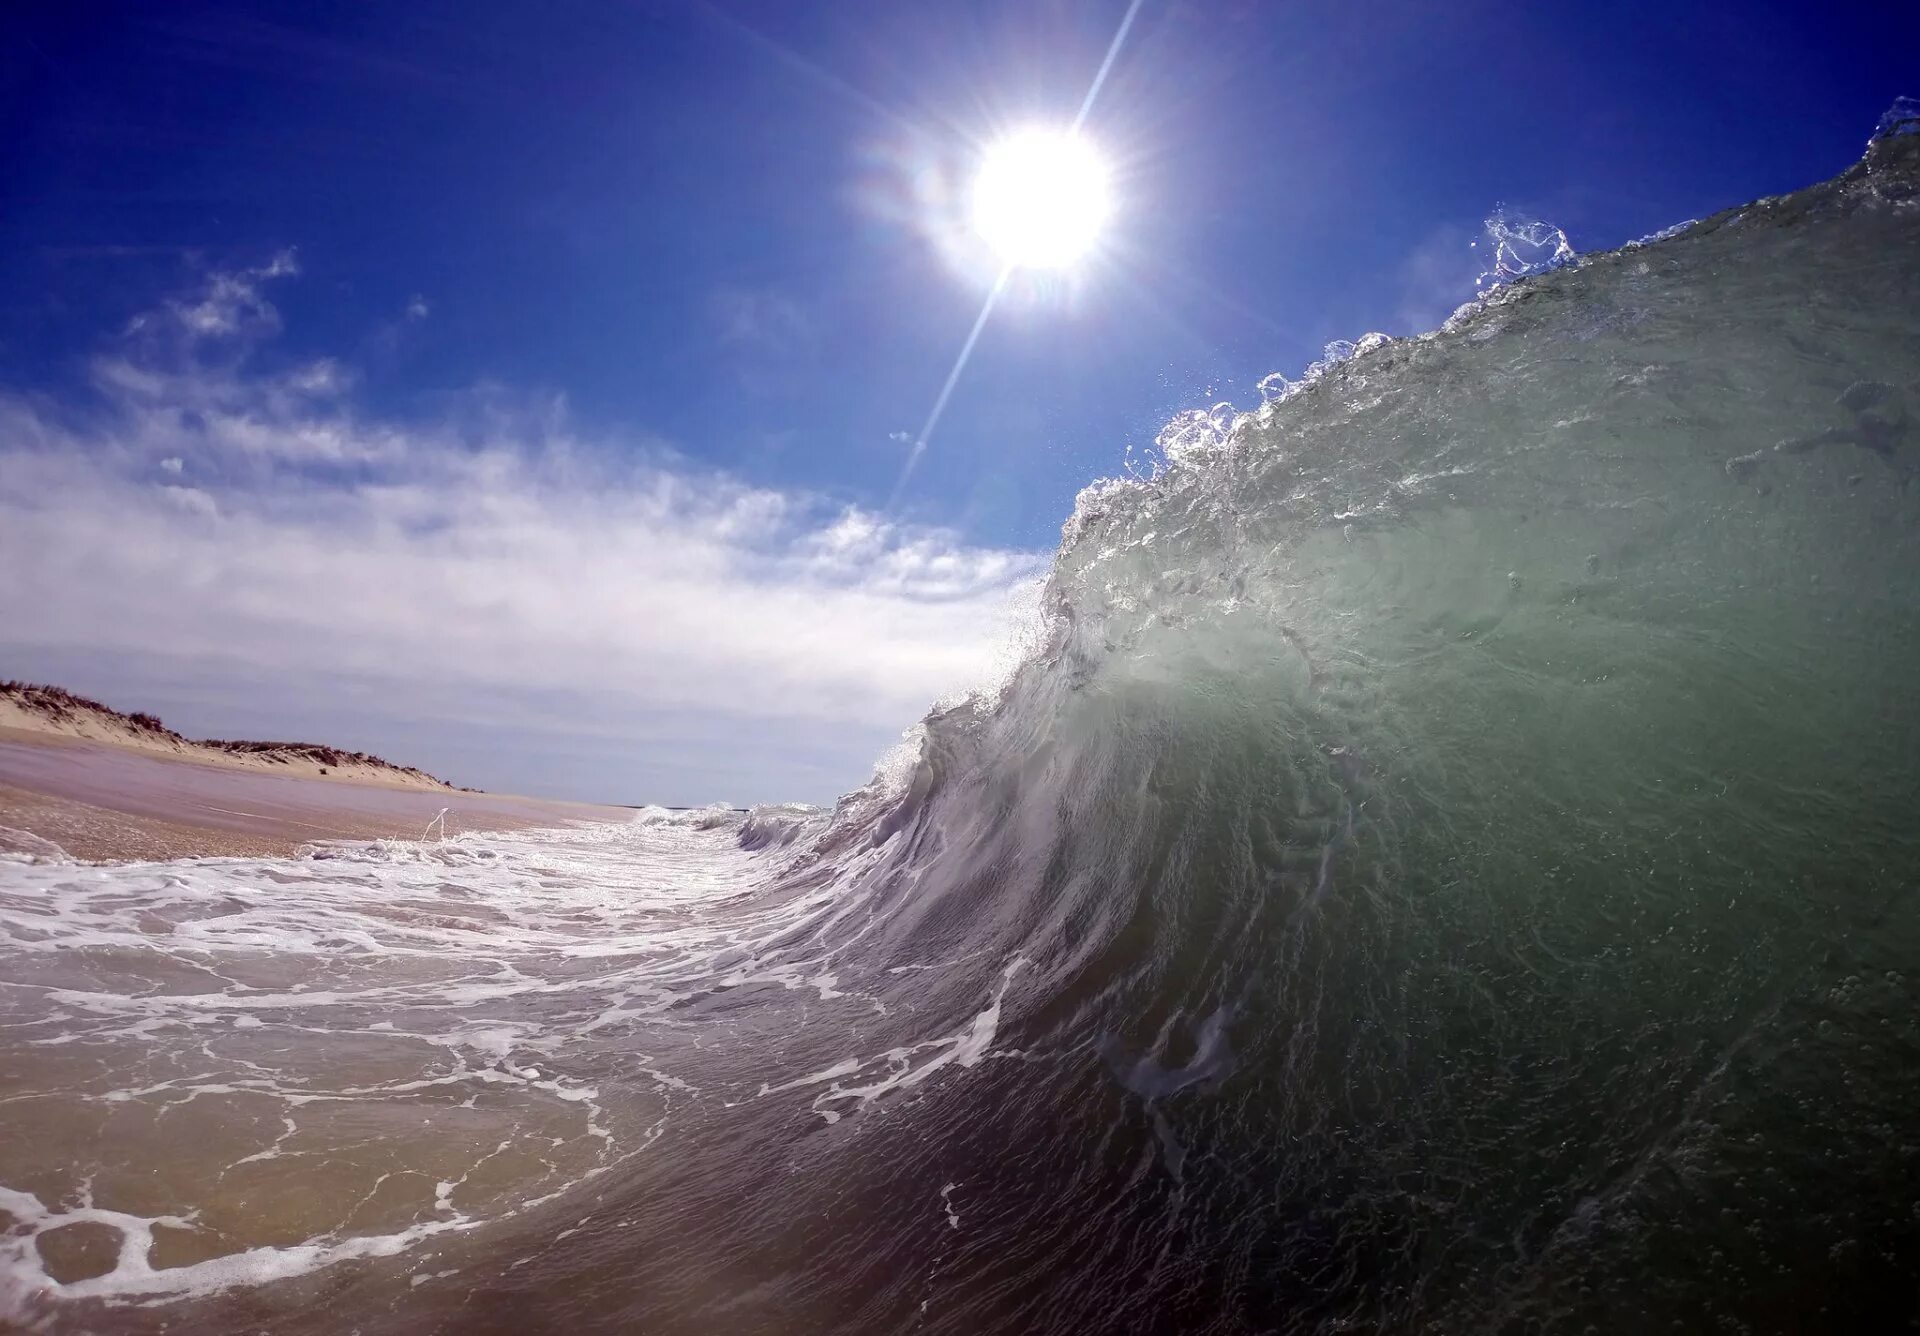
(766, 339)
(483, 566)
(760, 320)
(900, 437)
(228, 303)
(390, 338)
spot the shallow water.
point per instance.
(1447, 865)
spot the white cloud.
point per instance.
(189, 499)
(500, 556)
(228, 303)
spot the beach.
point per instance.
(90, 787)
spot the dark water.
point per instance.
(1449, 865)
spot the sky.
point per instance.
(524, 392)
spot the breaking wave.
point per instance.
(1448, 865)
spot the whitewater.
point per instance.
(1447, 862)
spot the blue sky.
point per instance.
(516, 389)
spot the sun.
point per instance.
(1042, 198)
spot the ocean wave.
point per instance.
(1444, 862)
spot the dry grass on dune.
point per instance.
(67, 711)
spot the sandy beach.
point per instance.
(48, 712)
(92, 784)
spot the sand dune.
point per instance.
(81, 780)
(29, 708)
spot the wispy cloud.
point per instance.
(766, 338)
(760, 319)
(229, 303)
(206, 508)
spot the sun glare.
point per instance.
(1041, 199)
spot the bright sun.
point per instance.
(1041, 198)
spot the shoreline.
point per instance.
(101, 801)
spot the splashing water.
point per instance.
(1902, 118)
(1520, 247)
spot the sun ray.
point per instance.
(999, 285)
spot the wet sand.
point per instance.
(106, 803)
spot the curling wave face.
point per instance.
(1448, 865)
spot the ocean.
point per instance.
(1446, 862)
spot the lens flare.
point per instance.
(1042, 198)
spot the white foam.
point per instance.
(516, 977)
(24, 1279)
(897, 1068)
